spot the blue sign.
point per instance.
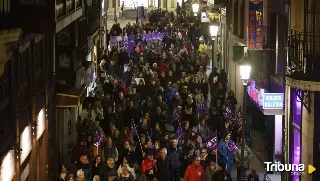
(273, 100)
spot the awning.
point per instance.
(71, 97)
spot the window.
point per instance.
(24, 58)
(6, 128)
(5, 83)
(39, 61)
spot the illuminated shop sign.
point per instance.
(264, 99)
(255, 26)
(273, 101)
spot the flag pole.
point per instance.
(136, 132)
(217, 148)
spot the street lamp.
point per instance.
(195, 8)
(214, 28)
(245, 71)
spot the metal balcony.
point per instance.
(303, 61)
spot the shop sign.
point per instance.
(273, 101)
(7, 169)
(41, 121)
(255, 27)
(264, 99)
(25, 143)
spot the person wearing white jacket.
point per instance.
(129, 166)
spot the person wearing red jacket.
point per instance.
(148, 162)
(194, 171)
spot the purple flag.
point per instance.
(98, 139)
(266, 177)
(201, 108)
(176, 115)
(212, 141)
(179, 131)
(232, 147)
(228, 113)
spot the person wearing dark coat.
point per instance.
(108, 169)
(96, 167)
(175, 155)
(163, 166)
(131, 113)
(214, 119)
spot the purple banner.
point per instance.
(129, 43)
(212, 141)
(153, 36)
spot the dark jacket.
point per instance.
(104, 173)
(174, 155)
(164, 169)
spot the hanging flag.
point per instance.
(212, 141)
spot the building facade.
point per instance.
(26, 82)
(302, 88)
(256, 33)
(45, 70)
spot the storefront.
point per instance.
(7, 170)
(301, 140)
(264, 123)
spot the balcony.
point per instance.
(67, 11)
(304, 61)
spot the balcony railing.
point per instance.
(8, 17)
(65, 7)
(303, 61)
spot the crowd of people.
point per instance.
(150, 114)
